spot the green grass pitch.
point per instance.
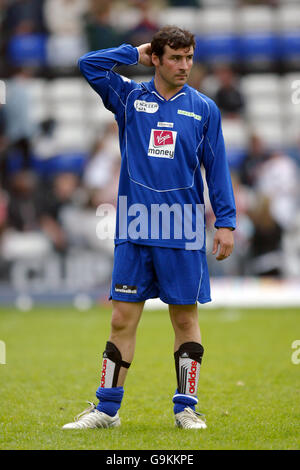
(249, 387)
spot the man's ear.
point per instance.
(155, 59)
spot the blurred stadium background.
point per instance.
(59, 152)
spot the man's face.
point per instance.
(174, 66)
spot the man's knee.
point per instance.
(118, 320)
(125, 316)
(184, 322)
(184, 318)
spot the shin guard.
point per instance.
(111, 365)
(188, 359)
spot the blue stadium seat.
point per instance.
(235, 157)
(14, 161)
(28, 50)
(258, 47)
(290, 46)
(68, 162)
(211, 48)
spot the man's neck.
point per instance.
(164, 90)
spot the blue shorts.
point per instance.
(176, 276)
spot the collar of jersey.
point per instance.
(151, 88)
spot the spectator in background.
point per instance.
(65, 16)
(23, 237)
(64, 19)
(245, 200)
(23, 17)
(102, 169)
(3, 224)
(3, 146)
(2, 38)
(255, 157)
(228, 96)
(23, 214)
(197, 76)
(145, 29)
(278, 180)
(59, 197)
(3, 210)
(20, 127)
(83, 221)
(44, 144)
(2, 8)
(238, 261)
(266, 249)
(69, 213)
(99, 32)
(272, 3)
(184, 3)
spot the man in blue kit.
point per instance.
(167, 130)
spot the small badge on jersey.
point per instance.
(162, 143)
(165, 124)
(146, 106)
(125, 289)
(189, 114)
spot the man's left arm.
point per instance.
(219, 184)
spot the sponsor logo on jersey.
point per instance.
(146, 106)
(162, 143)
(189, 114)
(165, 124)
(163, 138)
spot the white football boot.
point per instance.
(189, 419)
(92, 418)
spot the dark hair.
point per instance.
(171, 36)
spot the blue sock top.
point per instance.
(181, 401)
(110, 399)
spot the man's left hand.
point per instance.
(145, 54)
(223, 240)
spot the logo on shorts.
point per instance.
(125, 289)
(162, 143)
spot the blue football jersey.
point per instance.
(163, 145)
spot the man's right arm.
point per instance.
(97, 68)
